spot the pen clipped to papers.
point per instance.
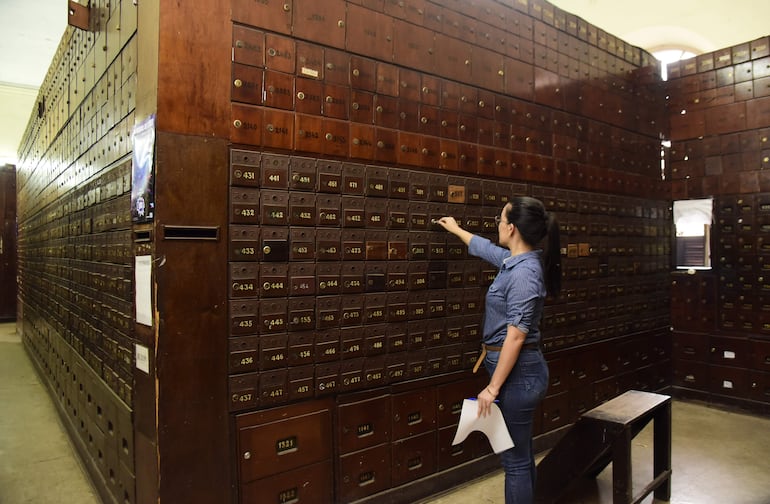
(493, 426)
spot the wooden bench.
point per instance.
(603, 435)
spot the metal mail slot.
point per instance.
(243, 175)
(328, 245)
(398, 184)
(273, 387)
(353, 211)
(248, 46)
(327, 312)
(435, 332)
(351, 373)
(303, 242)
(363, 140)
(364, 472)
(273, 16)
(453, 357)
(398, 214)
(275, 208)
(375, 374)
(374, 340)
(376, 213)
(336, 137)
(302, 209)
(417, 332)
(308, 97)
(243, 354)
(353, 245)
(418, 184)
(301, 382)
(281, 443)
(307, 485)
(418, 150)
(244, 205)
(418, 305)
(302, 279)
(453, 455)
(455, 330)
(272, 317)
(309, 132)
(454, 302)
(397, 278)
(244, 391)
(244, 279)
(353, 182)
(327, 345)
(273, 351)
(244, 317)
(278, 90)
(386, 145)
(455, 276)
(336, 100)
(364, 424)
(329, 176)
(300, 349)
(310, 61)
(275, 171)
(327, 376)
(336, 67)
(280, 54)
(397, 307)
(351, 310)
(274, 280)
(418, 216)
(413, 413)
(362, 107)
(301, 314)
(376, 245)
(375, 310)
(376, 181)
(397, 339)
(472, 299)
(429, 120)
(417, 275)
(278, 129)
(328, 278)
(353, 278)
(435, 212)
(376, 276)
(275, 244)
(362, 70)
(244, 243)
(246, 84)
(395, 364)
(437, 275)
(303, 174)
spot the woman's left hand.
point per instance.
(485, 400)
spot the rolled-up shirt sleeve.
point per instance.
(522, 299)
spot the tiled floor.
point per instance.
(718, 457)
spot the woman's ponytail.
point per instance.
(552, 259)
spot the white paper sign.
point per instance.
(143, 283)
(493, 426)
(143, 358)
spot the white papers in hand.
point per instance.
(493, 426)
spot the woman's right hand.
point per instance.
(449, 223)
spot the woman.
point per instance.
(511, 337)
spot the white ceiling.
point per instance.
(30, 32)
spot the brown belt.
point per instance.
(489, 348)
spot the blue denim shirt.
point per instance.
(517, 294)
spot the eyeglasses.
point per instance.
(498, 220)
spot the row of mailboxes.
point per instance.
(103, 424)
(382, 438)
(278, 315)
(730, 366)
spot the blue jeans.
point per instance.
(525, 387)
